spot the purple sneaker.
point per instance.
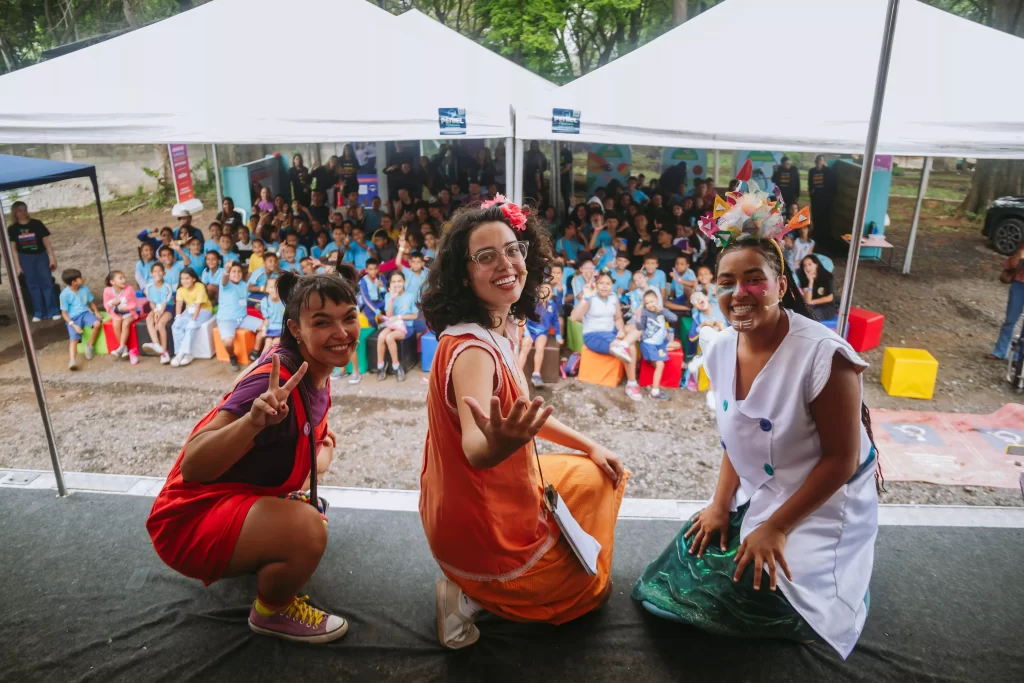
(299, 622)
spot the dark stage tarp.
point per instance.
(85, 598)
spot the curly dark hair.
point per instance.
(447, 298)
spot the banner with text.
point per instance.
(182, 173)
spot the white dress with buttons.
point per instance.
(773, 445)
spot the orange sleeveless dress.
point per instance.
(488, 528)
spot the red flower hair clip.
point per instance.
(516, 216)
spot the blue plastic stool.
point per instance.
(428, 347)
(831, 324)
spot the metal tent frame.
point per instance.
(15, 173)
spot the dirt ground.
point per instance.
(112, 417)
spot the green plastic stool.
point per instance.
(363, 364)
(685, 325)
(100, 348)
(574, 336)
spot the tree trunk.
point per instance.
(129, 14)
(679, 11)
(993, 178)
(166, 183)
(5, 53)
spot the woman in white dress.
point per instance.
(786, 546)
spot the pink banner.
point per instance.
(182, 173)
(958, 449)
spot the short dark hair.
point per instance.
(271, 254)
(164, 248)
(18, 205)
(613, 215)
(298, 290)
(416, 254)
(447, 300)
(783, 160)
(371, 262)
(69, 275)
(622, 254)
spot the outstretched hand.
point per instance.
(506, 434)
(272, 405)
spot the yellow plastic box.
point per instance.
(909, 373)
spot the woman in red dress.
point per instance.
(228, 507)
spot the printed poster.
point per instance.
(565, 121)
(452, 121)
(606, 163)
(183, 187)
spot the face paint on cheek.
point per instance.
(757, 289)
(726, 291)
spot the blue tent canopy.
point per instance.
(17, 172)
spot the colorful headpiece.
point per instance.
(515, 215)
(802, 219)
(742, 213)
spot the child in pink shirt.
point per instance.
(119, 301)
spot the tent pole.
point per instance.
(517, 174)
(553, 181)
(382, 177)
(714, 178)
(30, 350)
(510, 156)
(99, 210)
(870, 146)
(216, 177)
(926, 171)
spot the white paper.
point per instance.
(586, 546)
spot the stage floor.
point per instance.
(85, 598)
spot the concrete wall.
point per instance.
(118, 171)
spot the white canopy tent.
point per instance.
(948, 94)
(108, 93)
(488, 72)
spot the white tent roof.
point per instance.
(486, 69)
(173, 81)
(948, 92)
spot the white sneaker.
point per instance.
(122, 352)
(36, 319)
(89, 353)
(620, 351)
(454, 629)
(185, 360)
(116, 353)
(633, 392)
(153, 348)
(56, 317)
(710, 398)
(176, 361)
(165, 358)
(356, 378)
(72, 365)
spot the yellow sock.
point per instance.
(267, 610)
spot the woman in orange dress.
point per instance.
(482, 485)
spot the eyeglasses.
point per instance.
(515, 252)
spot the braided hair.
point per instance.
(772, 253)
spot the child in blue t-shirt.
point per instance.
(78, 308)
(272, 309)
(621, 277)
(213, 243)
(290, 260)
(320, 249)
(359, 252)
(231, 310)
(429, 247)
(147, 257)
(226, 250)
(655, 278)
(535, 334)
(212, 274)
(172, 265)
(400, 312)
(569, 246)
(372, 292)
(161, 302)
(684, 281)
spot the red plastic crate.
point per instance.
(864, 329)
(673, 375)
(112, 341)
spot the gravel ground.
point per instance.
(111, 417)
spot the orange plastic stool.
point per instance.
(599, 368)
(245, 341)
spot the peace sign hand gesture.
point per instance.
(507, 434)
(272, 405)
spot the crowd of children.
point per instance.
(632, 267)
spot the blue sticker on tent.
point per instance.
(452, 121)
(565, 121)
